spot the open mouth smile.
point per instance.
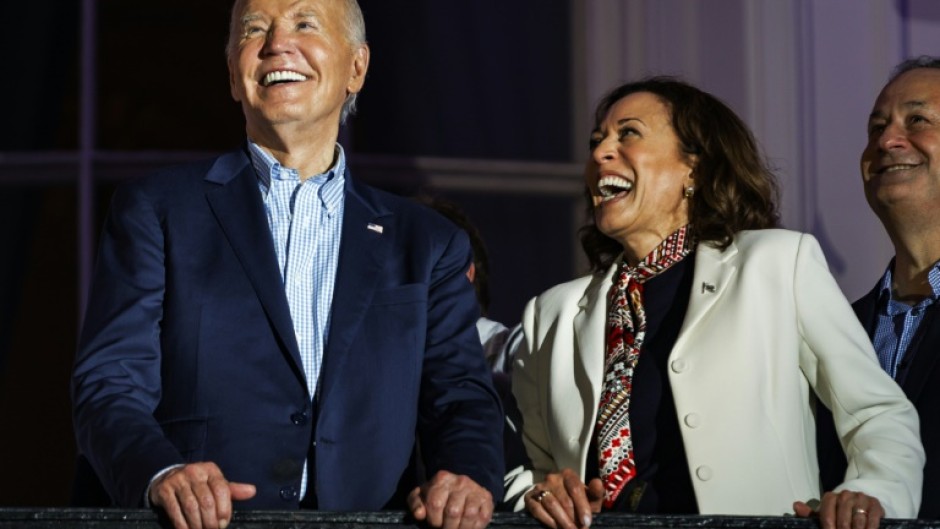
(895, 167)
(282, 76)
(611, 187)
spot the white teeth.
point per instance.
(611, 186)
(898, 167)
(284, 75)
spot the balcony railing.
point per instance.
(55, 518)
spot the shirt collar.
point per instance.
(330, 183)
(886, 295)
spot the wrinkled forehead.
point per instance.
(644, 106)
(243, 8)
(913, 89)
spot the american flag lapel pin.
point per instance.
(708, 287)
(374, 227)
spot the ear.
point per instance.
(692, 162)
(357, 74)
(472, 272)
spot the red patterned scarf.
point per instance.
(626, 330)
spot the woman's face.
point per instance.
(637, 175)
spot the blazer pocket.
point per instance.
(188, 436)
(410, 293)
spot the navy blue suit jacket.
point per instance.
(922, 387)
(188, 352)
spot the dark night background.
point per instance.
(457, 80)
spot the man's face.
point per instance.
(901, 163)
(290, 61)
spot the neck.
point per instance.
(637, 246)
(916, 251)
(310, 152)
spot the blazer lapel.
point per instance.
(237, 205)
(713, 271)
(366, 241)
(590, 333)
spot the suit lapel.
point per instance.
(238, 207)
(366, 240)
(925, 354)
(713, 272)
(923, 349)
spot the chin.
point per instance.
(606, 228)
(609, 217)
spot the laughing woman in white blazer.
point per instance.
(682, 375)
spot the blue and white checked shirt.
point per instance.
(898, 322)
(306, 221)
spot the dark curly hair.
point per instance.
(734, 187)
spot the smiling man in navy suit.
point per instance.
(263, 329)
(901, 178)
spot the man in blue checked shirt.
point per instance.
(901, 178)
(264, 331)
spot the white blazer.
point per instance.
(766, 327)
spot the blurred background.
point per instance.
(486, 103)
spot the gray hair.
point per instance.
(354, 27)
(915, 63)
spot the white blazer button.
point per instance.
(693, 420)
(678, 366)
(703, 473)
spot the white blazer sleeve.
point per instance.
(876, 423)
(525, 388)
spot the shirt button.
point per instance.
(703, 473)
(678, 366)
(693, 420)
(288, 493)
(298, 418)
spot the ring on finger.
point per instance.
(858, 511)
(542, 494)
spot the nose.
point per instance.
(892, 137)
(278, 40)
(604, 151)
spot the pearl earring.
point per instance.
(689, 191)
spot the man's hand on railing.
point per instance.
(197, 496)
(451, 501)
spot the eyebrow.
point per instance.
(624, 120)
(247, 19)
(620, 123)
(254, 17)
(908, 105)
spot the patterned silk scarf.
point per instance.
(626, 330)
